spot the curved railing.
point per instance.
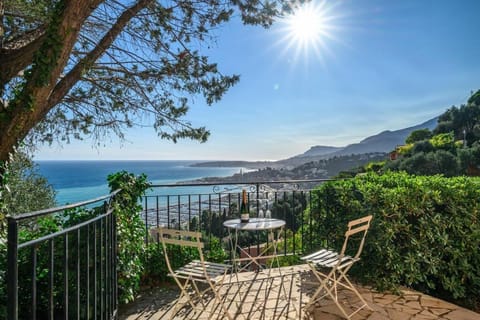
(205, 206)
(70, 271)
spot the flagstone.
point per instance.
(413, 304)
(409, 311)
(462, 314)
(260, 298)
(394, 314)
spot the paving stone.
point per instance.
(325, 316)
(377, 316)
(427, 313)
(439, 311)
(394, 314)
(411, 297)
(409, 311)
(414, 305)
(258, 296)
(380, 310)
(462, 314)
(391, 297)
(383, 301)
(431, 302)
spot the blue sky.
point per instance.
(377, 65)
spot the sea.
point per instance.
(76, 181)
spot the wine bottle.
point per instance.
(244, 214)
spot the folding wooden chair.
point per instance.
(337, 265)
(197, 271)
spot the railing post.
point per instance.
(257, 187)
(12, 269)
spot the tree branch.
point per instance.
(16, 55)
(74, 75)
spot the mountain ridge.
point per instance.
(382, 142)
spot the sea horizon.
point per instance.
(81, 180)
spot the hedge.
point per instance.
(425, 232)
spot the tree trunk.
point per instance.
(31, 105)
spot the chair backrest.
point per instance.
(181, 238)
(354, 227)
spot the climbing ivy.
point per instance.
(130, 231)
(44, 61)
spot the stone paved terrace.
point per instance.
(254, 295)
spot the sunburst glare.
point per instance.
(307, 28)
(306, 24)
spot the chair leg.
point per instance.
(220, 302)
(352, 287)
(329, 283)
(323, 281)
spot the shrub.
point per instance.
(425, 233)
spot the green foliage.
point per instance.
(463, 121)
(405, 149)
(418, 135)
(469, 157)
(443, 141)
(424, 146)
(214, 251)
(474, 99)
(374, 166)
(431, 163)
(290, 207)
(130, 231)
(425, 231)
(291, 246)
(25, 189)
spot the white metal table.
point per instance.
(270, 225)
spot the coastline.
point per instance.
(233, 164)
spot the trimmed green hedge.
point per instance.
(425, 232)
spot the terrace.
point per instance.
(87, 273)
(264, 301)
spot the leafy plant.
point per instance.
(130, 230)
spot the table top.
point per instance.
(254, 224)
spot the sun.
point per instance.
(307, 28)
(306, 24)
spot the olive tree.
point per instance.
(28, 189)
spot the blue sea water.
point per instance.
(77, 181)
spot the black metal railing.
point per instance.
(205, 206)
(69, 271)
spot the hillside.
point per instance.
(383, 142)
(321, 169)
